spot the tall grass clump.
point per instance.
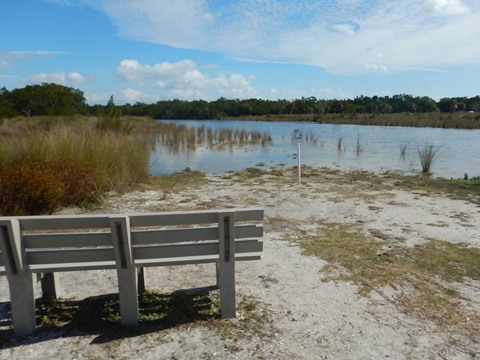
(403, 150)
(427, 156)
(339, 143)
(75, 162)
(358, 147)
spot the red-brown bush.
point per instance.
(42, 187)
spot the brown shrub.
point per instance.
(42, 187)
(28, 189)
(83, 183)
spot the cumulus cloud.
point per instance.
(181, 80)
(339, 36)
(133, 96)
(60, 78)
(447, 7)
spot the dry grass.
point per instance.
(424, 278)
(116, 150)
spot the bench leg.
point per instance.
(22, 302)
(20, 278)
(50, 286)
(141, 281)
(226, 265)
(126, 271)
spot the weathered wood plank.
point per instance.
(38, 257)
(158, 236)
(126, 243)
(66, 240)
(63, 222)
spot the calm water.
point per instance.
(458, 154)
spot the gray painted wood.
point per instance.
(20, 278)
(50, 285)
(226, 264)
(127, 243)
(126, 271)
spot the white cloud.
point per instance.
(182, 80)
(132, 96)
(447, 7)
(10, 58)
(61, 78)
(376, 68)
(339, 36)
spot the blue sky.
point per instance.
(146, 50)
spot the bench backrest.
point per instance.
(83, 242)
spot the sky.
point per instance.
(151, 50)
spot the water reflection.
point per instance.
(221, 146)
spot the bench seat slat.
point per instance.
(65, 240)
(170, 219)
(248, 231)
(193, 217)
(68, 256)
(192, 250)
(59, 222)
(147, 237)
(65, 267)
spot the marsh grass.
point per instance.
(358, 147)
(427, 155)
(424, 278)
(122, 159)
(182, 137)
(403, 150)
(339, 143)
(118, 152)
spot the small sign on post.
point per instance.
(298, 136)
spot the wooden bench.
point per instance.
(45, 245)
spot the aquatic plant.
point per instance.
(339, 143)
(427, 155)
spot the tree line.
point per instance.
(53, 99)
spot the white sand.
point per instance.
(306, 318)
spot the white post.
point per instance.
(298, 136)
(299, 164)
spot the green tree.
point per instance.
(48, 99)
(111, 110)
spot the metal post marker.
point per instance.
(298, 136)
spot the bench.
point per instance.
(46, 245)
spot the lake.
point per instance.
(370, 148)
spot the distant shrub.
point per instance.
(42, 187)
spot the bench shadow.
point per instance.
(100, 316)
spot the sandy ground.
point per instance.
(303, 316)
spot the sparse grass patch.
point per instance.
(428, 273)
(454, 188)
(253, 321)
(176, 182)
